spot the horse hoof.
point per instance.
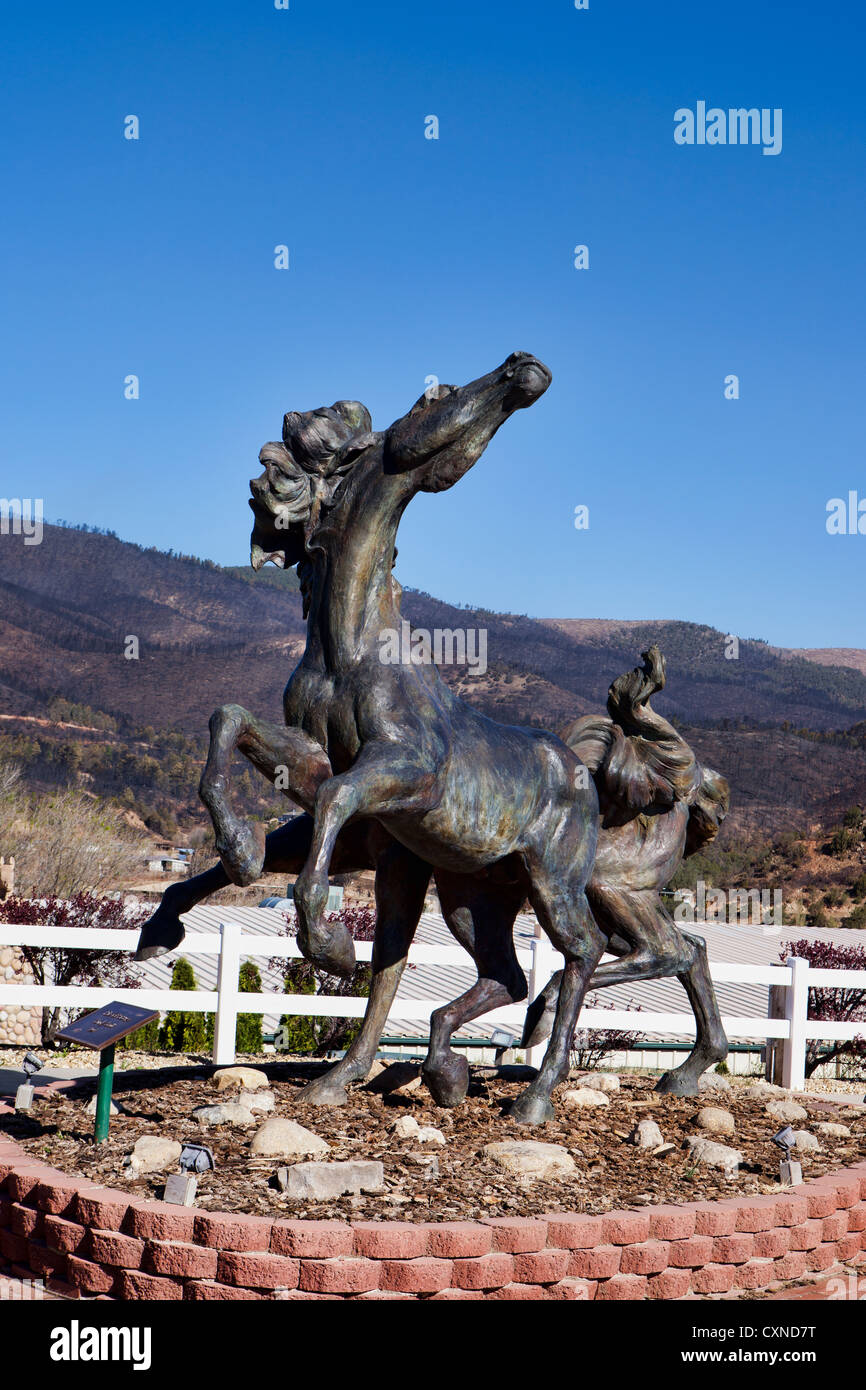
(161, 933)
(332, 950)
(324, 1092)
(242, 853)
(449, 1082)
(532, 1110)
(674, 1083)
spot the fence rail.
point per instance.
(786, 1024)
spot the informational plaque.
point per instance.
(106, 1026)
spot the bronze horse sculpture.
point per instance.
(387, 762)
(658, 805)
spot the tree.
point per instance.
(307, 1033)
(184, 1030)
(834, 1005)
(248, 1036)
(66, 843)
(70, 965)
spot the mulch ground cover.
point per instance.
(611, 1172)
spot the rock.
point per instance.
(246, 1078)
(763, 1090)
(227, 1113)
(428, 1134)
(376, 1070)
(282, 1138)
(711, 1081)
(428, 1163)
(646, 1134)
(399, 1078)
(257, 1101)
(153, 1154)
(114, 1109)
(834, 1131)
(715, 1120)
(321, 1182)
(787, 1111)
(405, 1127)
(714, 1155)
(600, 1081)
(584, 1098)
(805, 1141)
(531, 1158)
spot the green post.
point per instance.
(103, 1093)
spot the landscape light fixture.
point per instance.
(25, 1092)
(502, 1040)
(790, 1172)
(196, 1158)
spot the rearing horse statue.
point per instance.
(388, 763)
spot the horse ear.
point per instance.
(355, 414)
(291, 421)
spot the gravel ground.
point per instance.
(610, 1171)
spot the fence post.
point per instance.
(540, 972)
(796, 1012)
(225, 1026)
(777, 1007)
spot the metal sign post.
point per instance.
(101, 1030)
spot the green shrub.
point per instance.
(183, 1031)
(144, 1039)
(857, 918)
(248, 1036)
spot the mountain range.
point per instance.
(787, 727)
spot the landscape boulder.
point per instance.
(282, 1138)
(530, 1158)
(599, 1081)
(322, 1182)
(225, 1113)
(584, 1098)
(245, 1078)
(714, 1155)
(153, 1154)
(647, 1135)
(715, 1120)
(787, 1111)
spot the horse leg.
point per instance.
(385, 779)
(481, 916)
(651, 947)
(711, 1043)
(658, 949)
(286, 850)
(279, 753)
(563, 912)
(401, 885)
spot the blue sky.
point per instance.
(412, 257)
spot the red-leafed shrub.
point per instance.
(843, 1005)
(306, 1033)
(72, 965)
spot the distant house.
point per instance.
(168, 864)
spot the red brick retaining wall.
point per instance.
(95, 1241)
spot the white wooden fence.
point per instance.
(793, 1030)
